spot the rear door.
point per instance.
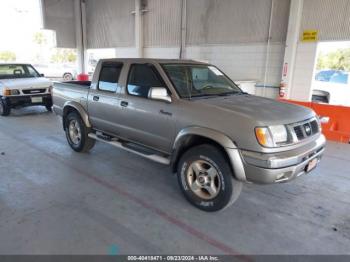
(104, 99)
(148, 122)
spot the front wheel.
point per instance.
(48, 108)
(77, 133)
(206, 179)
(5, 109)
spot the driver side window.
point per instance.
(141, 78)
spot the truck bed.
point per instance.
(70, 91)
(81, 83)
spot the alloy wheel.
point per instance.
(203, 179)
(74, 132)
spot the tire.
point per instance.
(77, 133)
(320, 99)
(5, 109)
(206, 165)
(67, 77)
(48, 108)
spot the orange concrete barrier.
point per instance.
(338, 127)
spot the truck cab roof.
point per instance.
(153, 60)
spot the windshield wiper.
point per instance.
(205, 95)
(232, 93)
(221, 94)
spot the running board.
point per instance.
(156, 158)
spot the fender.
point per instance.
(218, 137)
(83, 114)
(224, 141)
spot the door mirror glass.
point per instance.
(159, 93)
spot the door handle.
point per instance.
(96, 98)
(165, 113)
(124, 103)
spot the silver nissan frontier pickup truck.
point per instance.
(192, 117)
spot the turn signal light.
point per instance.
(6, 92)
(263, 136)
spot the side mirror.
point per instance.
(42, 75)
(159, 93)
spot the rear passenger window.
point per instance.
(141, 78)
(109, 77)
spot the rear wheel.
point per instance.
(67, 77)
(77, 133)
(5, 109)
(206, 179)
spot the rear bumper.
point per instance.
(280, 167)
(20, 101)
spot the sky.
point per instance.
(19, 19)
(325, 47)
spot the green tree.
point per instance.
(7, 56)
(62, 55)
(39, 38)
(337, 60)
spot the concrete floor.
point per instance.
(55, 201)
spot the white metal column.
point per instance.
(293, 35)
(80, 33)
(138, 28)
(183, 28)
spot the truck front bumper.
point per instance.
(279, 167)
(29, 100)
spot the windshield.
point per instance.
(17, 71)
(199, 80)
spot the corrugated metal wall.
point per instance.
(330, 17)
(110, 23)
(230, 22)
(280, 20)
(162, 23)
(59, 16)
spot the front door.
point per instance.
(147, 121)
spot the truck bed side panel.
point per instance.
(68, 92)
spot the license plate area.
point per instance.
(37, 99)
(312, 165)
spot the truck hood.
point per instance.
(261, 110)
(26, 83)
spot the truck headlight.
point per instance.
(14, 92)
(272, 136)
(10, 92)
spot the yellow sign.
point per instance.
(310, 36)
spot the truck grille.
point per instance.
(34, 91)
(306, 129)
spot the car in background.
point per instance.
(22, 85)
(332, 87)
(66, 72)
(325, 75)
